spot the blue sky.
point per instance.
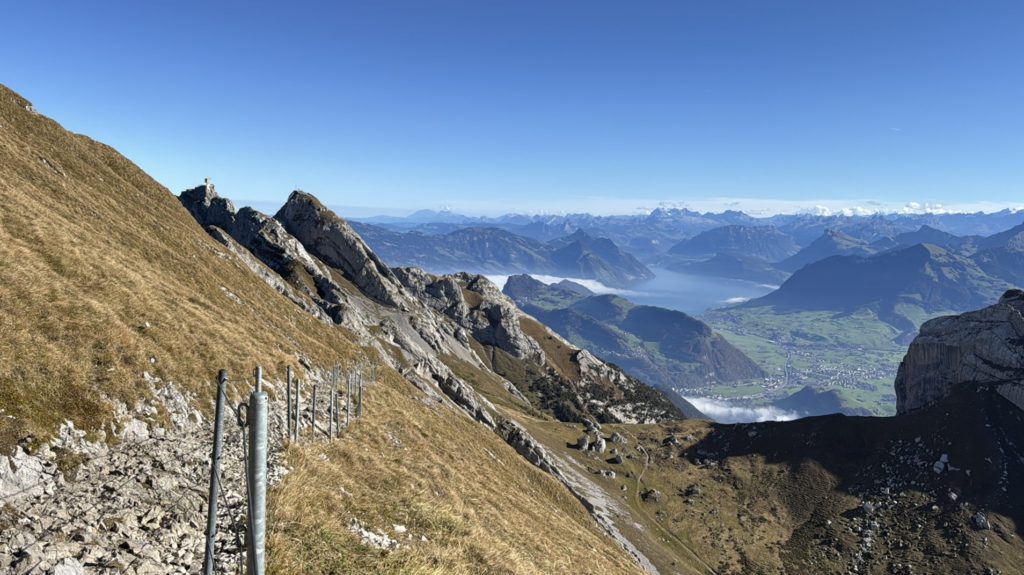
(489, 107)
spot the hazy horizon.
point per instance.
(755, 208)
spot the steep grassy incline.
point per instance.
(104, 275)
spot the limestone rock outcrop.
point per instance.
(331, 239)
(491, 317)
(267, 240)
(207, 207)
(977, 348)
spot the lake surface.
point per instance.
(687, 293)
(694, 294)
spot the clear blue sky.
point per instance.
(533, 106)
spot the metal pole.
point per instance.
(257, 531)
(313, 416)
(359, 406)
(336, 421)
(330, 412)
(298, 409)
(218, 443)
(348, 401)
(288, 403)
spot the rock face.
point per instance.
(207, 207)
(978, 348)
(570, 382)
(265, 238)
(490, 317)
(332, 240)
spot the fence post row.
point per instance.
(256, 419)
(256, 468)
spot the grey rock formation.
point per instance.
(266, 240)
(269, 276)
(207, 207)
(491, 318)
(331, 239)
(977, 348)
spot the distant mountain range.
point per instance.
(494, 250)
(924, 276)
(729, 244)
(666, 348)
(656, 232)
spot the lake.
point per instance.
(687, 293)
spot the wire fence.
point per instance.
(301, 423)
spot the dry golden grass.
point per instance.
(91, 249)
(482, 508)
(559, 355)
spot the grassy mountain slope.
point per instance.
(104, 275)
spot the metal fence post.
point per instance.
(336, 398)
(348, 400)
(332, 410)
(256, 419)
(359, 405)
(288, 403)
(218, 443)
(298, 409)
(312, 431)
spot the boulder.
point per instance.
(651, 495)
(981, 522)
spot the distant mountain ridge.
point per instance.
(764, 242)
(494, 250)
(649, 234)
(925, 276)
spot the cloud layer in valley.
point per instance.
(725, 412)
